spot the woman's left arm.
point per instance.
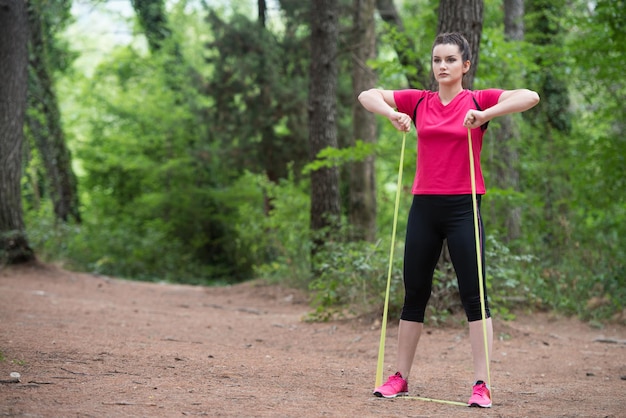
(510, 101)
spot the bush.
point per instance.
(352, 280)
(279, 239)
(125, 247)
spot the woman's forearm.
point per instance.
(383, 103)
(513, 101)
(374, 101)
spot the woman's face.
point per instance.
(448, 65)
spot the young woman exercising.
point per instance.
(442, 205)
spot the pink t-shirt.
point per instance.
(442, 148)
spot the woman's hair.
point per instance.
(454, 38)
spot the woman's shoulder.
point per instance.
(485, 92)
(415, 92)
(413, 95)
(486, 97)
(407, 99)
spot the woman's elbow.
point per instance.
(533, 98)
(364, 94)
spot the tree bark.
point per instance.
(362, 211)
(418, 78)
(514, 20)
(262, 6)
(465, 16)
(506, 171)
(43, 120)
(325, 206)
(151, 14)
(14, 246)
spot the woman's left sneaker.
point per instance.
(396, 385)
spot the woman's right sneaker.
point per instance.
(481, 396)
(394, 386)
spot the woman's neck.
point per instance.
(448, 93)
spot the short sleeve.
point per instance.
(407, 99)
(488, 98)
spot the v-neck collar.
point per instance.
(455, 98)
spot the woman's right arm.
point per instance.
(382, 103)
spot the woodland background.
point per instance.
(214, 142)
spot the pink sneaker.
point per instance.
(395, 386)
(481, 396)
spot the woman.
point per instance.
(442, 203)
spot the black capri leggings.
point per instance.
(432, 219)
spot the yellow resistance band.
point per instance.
(383, 331)
(419, 398)
(383, 328)
(483, 310)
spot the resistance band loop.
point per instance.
(419, 398)
(383, 328)
(483, 310)
(383, 331)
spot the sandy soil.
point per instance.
(88, 346)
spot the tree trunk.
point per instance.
(514, 20)
(14, 246)
(506, 172)
(262, 6)
(362, 211)
(151, 14)
(404, 46)
(43, 120)
(465, 16)
(325, 207)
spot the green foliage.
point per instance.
(3, 358)
(352, 280)
(49, 238)
(587, 295)
(577, 228)
(199, 178)
(509, 284)
(55, 17)
(277, 238)
(420, 25)
(509, 278)
(257, 111)
(156, 197)
(333, 157)
(119, 247)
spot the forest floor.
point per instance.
(94, 346)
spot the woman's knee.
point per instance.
(473, 308)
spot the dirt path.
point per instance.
(89, 346)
